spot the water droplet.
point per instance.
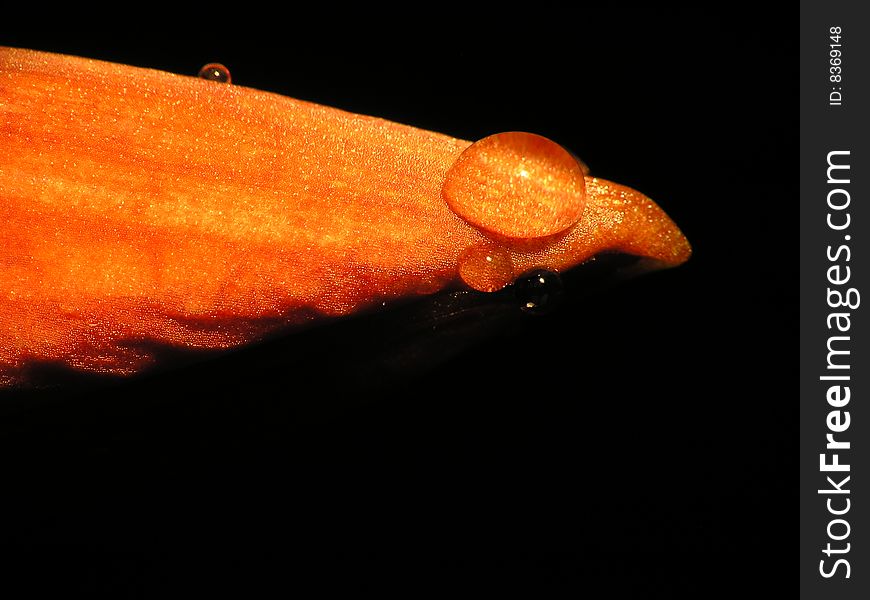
(583, 166)
(519, 185)
(486, 268)
(538, 291)
(215, 72)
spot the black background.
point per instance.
(634, 442)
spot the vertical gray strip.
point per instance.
(826, 129)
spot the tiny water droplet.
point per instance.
(215, 72)
(515, 184)
(486, 268)
(538, 291)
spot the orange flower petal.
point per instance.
(141, 207)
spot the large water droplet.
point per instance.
(538, 291)
(215, 72)
(519, 185)
(486, 268)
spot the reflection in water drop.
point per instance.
(486, 268)
(215, 72)
(539, 291)
(519, 185)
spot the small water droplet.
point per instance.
(486, 268)
(519, 185)
(538, 291)
(215, 72)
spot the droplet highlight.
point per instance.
(518, 185)
(215, 72)
(538, 291)
(486, 268)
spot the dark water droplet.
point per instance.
(215, 72)
(538, 291)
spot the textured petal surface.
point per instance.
(140, 207)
